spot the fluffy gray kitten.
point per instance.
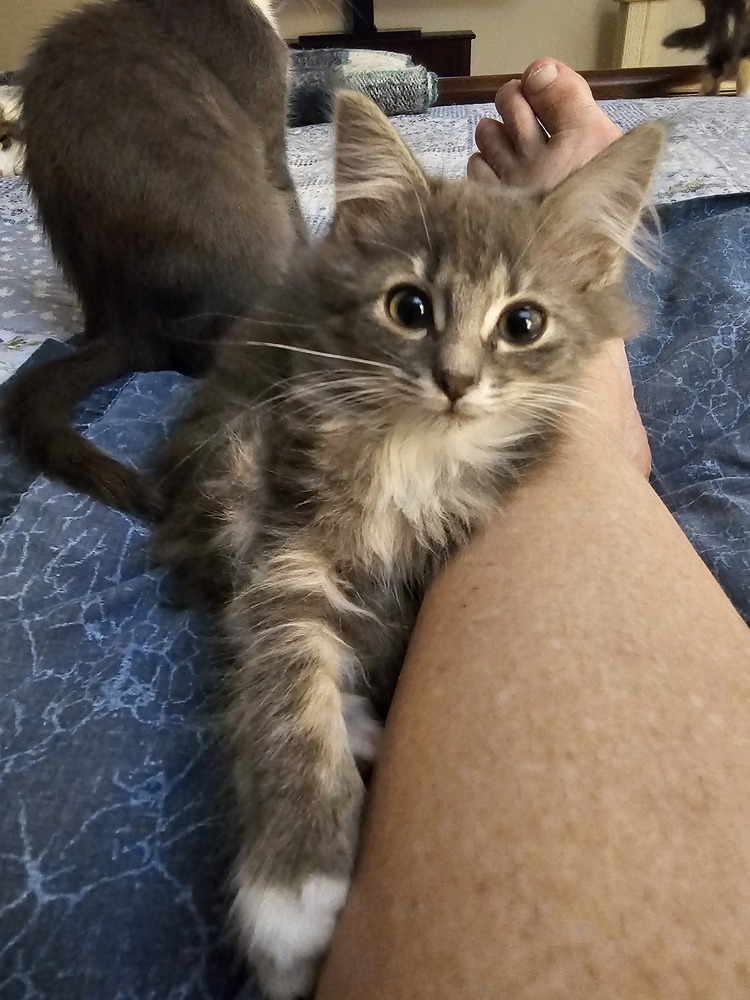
(417, 361)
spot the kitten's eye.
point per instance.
(410, 307)
(522, 324)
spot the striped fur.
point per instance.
(324, 475)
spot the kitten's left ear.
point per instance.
(373, 163)
(594, 214)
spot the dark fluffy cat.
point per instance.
(725, 35)
(413, 365)
(155, 135)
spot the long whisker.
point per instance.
(252, 319)
(221, 432)
(525, 248)
(422, 213)
(318, 354)
(388, 246)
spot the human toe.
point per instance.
(495, 146)
(562, 100)
(479, 170)
(521, 123)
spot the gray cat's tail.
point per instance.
(695, 37)
(38, 412)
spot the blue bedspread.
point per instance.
(112, 847)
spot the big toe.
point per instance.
(562, 100)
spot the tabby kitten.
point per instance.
(415, 363)
(155, 145)
(725, 34)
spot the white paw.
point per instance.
(286, 933)
(362, 730)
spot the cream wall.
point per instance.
(666, 16)
(510, 33)
(21, 21)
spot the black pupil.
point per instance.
(523, 324)
(412, 310)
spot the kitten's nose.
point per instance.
(454, 385)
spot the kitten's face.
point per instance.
(465, 297)
(467, 302)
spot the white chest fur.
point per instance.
(432, 478)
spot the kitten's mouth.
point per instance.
(459, 412)
(451, 411)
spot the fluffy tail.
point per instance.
(687, 38)
(38, 413)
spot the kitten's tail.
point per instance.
(695, 37)
(38, 413)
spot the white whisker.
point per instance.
(317, 354)
(388, 246)
(422, 213)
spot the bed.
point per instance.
(112, 799)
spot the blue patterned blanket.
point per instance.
(112, 848)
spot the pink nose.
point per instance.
(453, 385)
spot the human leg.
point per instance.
(560, 810)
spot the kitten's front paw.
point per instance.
(286, 931)
(363, 731)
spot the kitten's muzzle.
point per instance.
(453, 385)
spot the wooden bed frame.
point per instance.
(667, 81)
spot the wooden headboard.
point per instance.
(660, 81)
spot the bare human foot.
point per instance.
(524, 153)
(517, 150)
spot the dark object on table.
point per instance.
(363, 17)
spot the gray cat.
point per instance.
(155, 150)
(414, 364)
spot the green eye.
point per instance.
(410, 307)
(522, 324)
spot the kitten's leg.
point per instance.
(278, 168)
(743, 78)
(710, 83)
(299, 791)
(295, 210)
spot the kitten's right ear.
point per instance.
(373, 163)
(594, 213)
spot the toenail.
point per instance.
(540, 78)
(485, 130)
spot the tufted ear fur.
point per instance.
(373, 163)
(591, 220)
